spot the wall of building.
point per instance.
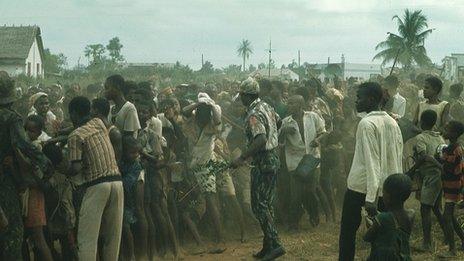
(34, 61)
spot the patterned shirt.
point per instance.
(91, 145)
(262, 119)
(453, 166)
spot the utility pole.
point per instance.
(299, 59)
(270, 58)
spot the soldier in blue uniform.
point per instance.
(262, 141)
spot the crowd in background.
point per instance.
(123, 169)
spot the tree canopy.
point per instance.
(244, 50)
(406, 47)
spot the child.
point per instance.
(429, 171)
(452, 159)
(33, 197)
(61, 214)
(34, 127)
(389, 232)
(432, 90)
(132, 178)
(156, 179)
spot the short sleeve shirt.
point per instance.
(200, 141)
(91, 145)
(126, 119)
(262, 119)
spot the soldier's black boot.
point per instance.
(274, 253)
(264, 250)
(260, 254)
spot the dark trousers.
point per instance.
(351, 220)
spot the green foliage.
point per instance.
(407, 47)
(54, 63)
(114, 49)
(95, 53)
(207, 67)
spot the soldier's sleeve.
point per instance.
(19, 141)
(256, 126)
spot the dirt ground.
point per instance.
(321, 243)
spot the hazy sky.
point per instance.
(182, 30)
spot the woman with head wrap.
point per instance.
(40, 105)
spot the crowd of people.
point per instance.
(128, 170)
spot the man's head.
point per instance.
(115, 86)
(453, 130)
(265, 87)
(312, 86)
(456, 90)
(369, 97)
(249, 91)
(145, 110)
(79, 110)
(169, 107)
(432, 87)
(100, 108)
(428, 119)
(277, 90)
(130, 89)
(391, 84)
(34, 126)
(295, 104)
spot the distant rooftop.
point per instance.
(16, 41)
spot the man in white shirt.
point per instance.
(396, 106)
(123, 114)
(300, 133)
(378, 154)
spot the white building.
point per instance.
(21, 51)
(148, 65)
(453, 67)
(282, 74)
(361, 70)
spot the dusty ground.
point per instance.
(320, 243)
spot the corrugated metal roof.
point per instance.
(16, 41)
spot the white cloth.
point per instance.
(126, 119)
(295, 146)
(156, 125)
(399, 105)
(204, 98)
(378, 154)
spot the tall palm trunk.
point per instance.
(244, 69)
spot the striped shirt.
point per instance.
(91, 145)
(453, 166)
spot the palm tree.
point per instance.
(406, 47)
(94, 52)
(244, 50)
